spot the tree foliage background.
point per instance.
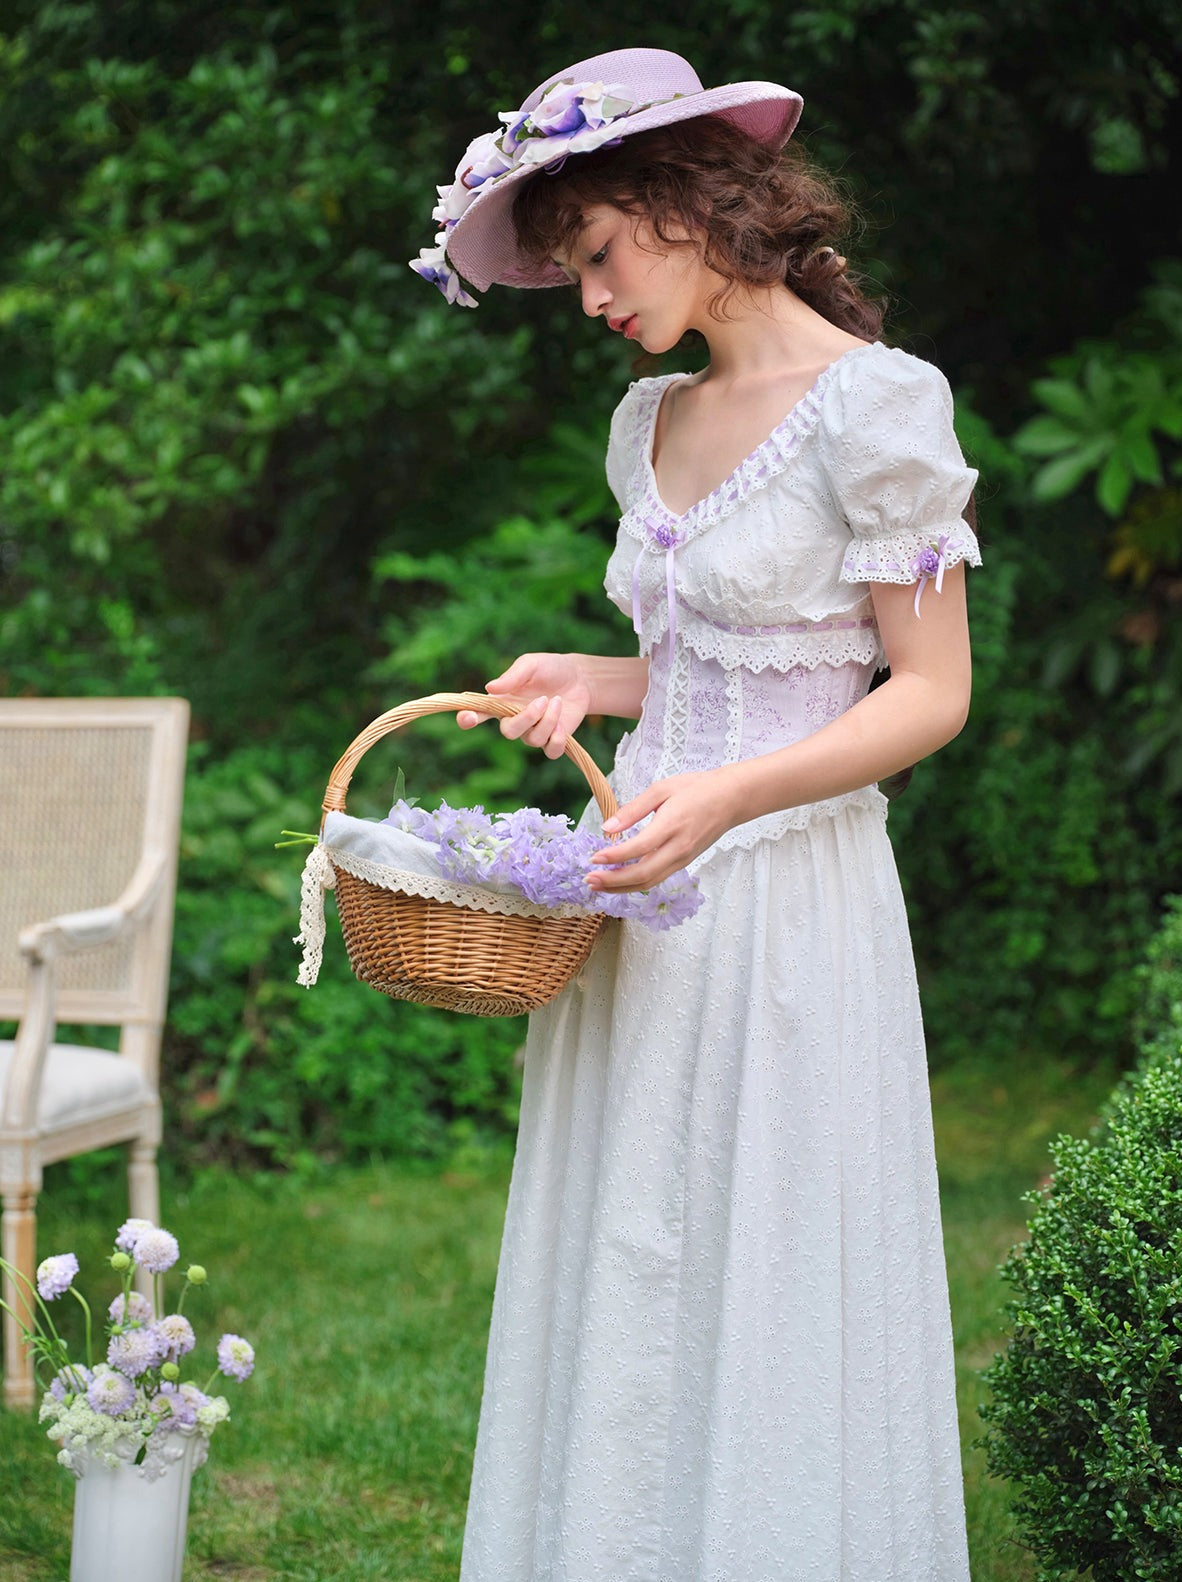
(249, 458)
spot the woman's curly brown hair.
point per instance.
(764, 216)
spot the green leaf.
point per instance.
(1045, 436)
(1105, 667)
(1060, 477)
(1064, 398)
(1113, 484)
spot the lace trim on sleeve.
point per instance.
(890, 557)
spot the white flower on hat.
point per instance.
(570, 118)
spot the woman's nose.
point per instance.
(596, 296)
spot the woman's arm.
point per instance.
(923, 705)
(559, 691)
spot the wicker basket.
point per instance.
(437, 952)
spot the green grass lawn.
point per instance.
(367, 1297)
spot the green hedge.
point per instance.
(1086, 1412)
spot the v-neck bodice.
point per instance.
(801, 415)
(754, 605)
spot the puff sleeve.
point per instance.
(896, 471)
(619, 461)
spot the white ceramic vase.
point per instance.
(129, 1526)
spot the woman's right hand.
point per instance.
(555, 695)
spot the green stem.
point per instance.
(212, 1377)
(85, 1305)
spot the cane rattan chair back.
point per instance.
(90, 799)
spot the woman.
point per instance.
(720, 1347)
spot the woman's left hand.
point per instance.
(690, 812)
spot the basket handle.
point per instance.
(448, 703)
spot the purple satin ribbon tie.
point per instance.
(928, 566)
(667, 538)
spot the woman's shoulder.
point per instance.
(883, 372)
(878, 389)
(636, 408)
(642, 393)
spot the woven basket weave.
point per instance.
(437, 952)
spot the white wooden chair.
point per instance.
(90, 799)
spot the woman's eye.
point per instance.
(598, 258)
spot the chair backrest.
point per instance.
(90, 789)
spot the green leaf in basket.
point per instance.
(400, 790)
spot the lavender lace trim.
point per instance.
(766, 462)
(837, 641)
(892, 557)
(793, 820)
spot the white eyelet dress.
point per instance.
(720, 1346)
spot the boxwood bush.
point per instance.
(1086, 1411)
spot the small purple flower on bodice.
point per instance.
(667, 536)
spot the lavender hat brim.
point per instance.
(482, 245)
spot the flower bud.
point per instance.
(171, 1372)
(120, 1262)
(196, 1274)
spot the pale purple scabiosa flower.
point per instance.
(235, 1357)
(156, 1250)
(110, 1392)
(178, 1404)
(134, 1351)
(176, 1332)
(70, 1381)
(130, 1232)
(56, 1275)
(137, 1309)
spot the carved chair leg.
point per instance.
(18, 1243)
(143, 1192)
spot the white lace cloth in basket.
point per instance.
(393, 859)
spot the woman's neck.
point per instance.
(765, 332)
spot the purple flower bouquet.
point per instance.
(134, 1403)
(542, 856)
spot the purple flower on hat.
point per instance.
(484, 160)
(432, 264)
(56, 1275)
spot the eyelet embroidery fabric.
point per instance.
(720, 1348)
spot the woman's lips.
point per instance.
(626, 327)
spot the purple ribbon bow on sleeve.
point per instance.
(930, 565)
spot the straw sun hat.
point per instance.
(593, 103)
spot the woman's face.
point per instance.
(645, 291)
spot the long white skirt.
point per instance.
(720, 1347)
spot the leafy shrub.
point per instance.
(1159, 1017)
(1086, 1414)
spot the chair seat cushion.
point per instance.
(81, 1084)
